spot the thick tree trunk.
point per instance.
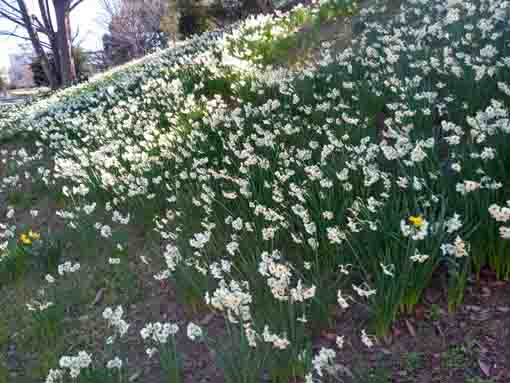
(36, 44)
(46, 65)
(67, 68)
(56, 59)
(266, 6)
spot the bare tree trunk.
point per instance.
(60, 42)
(44, 8)
(36, 44)
(257, 6)
(67, 68)
(266, 6)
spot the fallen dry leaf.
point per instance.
(484, 367)
(99, 296)
(410, 328)
(207, 319)
(419, 312)
(432, 296)
(481, 316)
(439, 329)
(329, 335)
(135, 376)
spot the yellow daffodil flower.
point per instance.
(25, 239)
(34, 235)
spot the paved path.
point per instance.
(11, 100)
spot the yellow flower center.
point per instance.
(417, 221)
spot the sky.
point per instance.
(86, 17)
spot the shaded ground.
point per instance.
(24, 358)
(471, 345)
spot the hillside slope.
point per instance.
(304, 204)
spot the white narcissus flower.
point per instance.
(146, 331)
(388, 270)
(68, 267)
(54, 376)
(416, 228)
(107, 313)
(106, 231)
(500, 214)
(418, 257)
(342, 301)
(49, 278)
(114, 363)
(237, 224)
(114, 318)
(281, 343)
(144, 259)
(418, 154)
(75, 363)
(456, 167)
(364, 293)
(88, 209)
(340, 342)
(504, 232)
(193, 331)
(323, 360)
(151, 351)
(459, 248)
(367, 340)
(453, 224)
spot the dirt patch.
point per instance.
(437, 346)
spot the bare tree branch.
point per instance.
(11, 17)
(46, 8)
(74, 38)
(135, 27)
(11, 7)
(75, 4)
(13, 34)
(45, 15)
(39, 26)
(59, 40)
